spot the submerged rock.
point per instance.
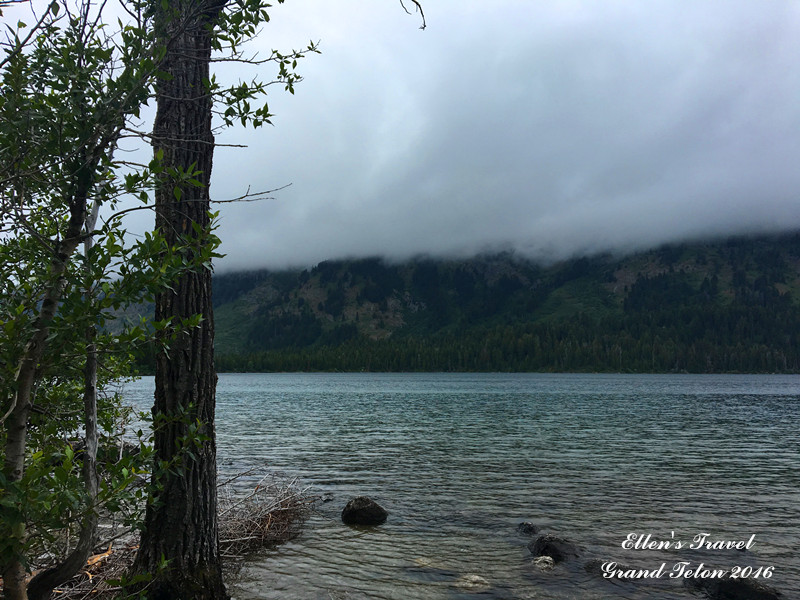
(545, 563)
(472, 582)
(430, 570)
(555, 547)
(621, 572)
(527, 528)
(362, 510)
(725, 588)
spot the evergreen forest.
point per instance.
(716, 307)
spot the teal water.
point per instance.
(459, 460)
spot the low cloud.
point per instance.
(555, 128)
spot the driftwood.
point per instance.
(271, 513)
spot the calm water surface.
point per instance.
(459, 460)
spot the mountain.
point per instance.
(731, 306)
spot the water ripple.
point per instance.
(459, 460)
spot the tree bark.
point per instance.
(181, 519)
(14, 575)
(42, 585)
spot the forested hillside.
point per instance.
(732, 306)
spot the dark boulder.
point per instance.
(527, 528)
(595, 567)
(725, 588)
(555, 547)
(363, 511)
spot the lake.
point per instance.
(459, 460)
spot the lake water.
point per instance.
(459, 460)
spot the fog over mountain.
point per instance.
(553, 128)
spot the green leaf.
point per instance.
(60, 474)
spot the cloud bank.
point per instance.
(553, 128)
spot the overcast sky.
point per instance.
(552, 127)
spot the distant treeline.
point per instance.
(579, 345)
(732, 306)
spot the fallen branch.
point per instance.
(268, 515)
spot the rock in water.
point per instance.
(527, 528)
(472, 582)
(363, 511)
(555, 547)
(545, 563)
(726, 588)
(595, 567)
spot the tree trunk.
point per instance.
(181, 520)
(14, 575)
(42, 585)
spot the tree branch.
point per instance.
(20, 45)
(419, 10)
